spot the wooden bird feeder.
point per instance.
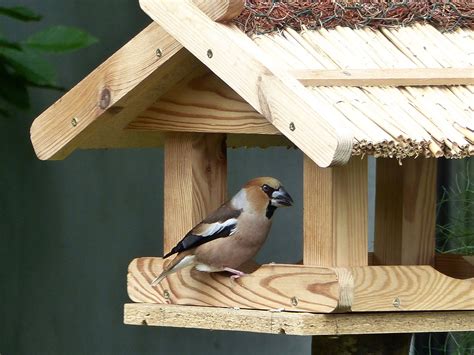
(193, 83)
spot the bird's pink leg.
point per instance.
(236, 273)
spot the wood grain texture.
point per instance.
(305, 288)
(195, 181)
(409, 288)
(292, 323)
(242, 65)
(386, 77)
(405, 212)
(202, 103)
(335, 214)
(291, 287)
(112, 95)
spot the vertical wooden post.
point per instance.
(335, 214)
(405, 212)
(195, 181)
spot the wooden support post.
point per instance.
(405, 212)
(195, 181)
(335, 214)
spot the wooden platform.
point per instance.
(293, 323)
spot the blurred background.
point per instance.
(68, 229)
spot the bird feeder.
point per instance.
(195, 83)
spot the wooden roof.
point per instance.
(211, 77)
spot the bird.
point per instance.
(232, 234)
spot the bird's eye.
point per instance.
(266, 188)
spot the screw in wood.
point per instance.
(105, 98)
(166, 294)
(292, 126)
(209, 53)
(74, 121)
(159, 53)
(396, 302)
(294, 301)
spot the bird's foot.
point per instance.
(235, 273)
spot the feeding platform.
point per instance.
(196, 83)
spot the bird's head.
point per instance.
(265, 194)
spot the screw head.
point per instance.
(209, 53)
(396, 302)
(158, 53)
(292, 126)
(166, 294)
(294, 301)
(74, 121)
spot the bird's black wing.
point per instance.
(219, 224)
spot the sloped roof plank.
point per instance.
(242, 65)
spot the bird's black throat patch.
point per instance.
(270, 210)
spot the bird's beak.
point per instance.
(281, 198)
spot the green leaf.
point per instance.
(20, 13)
(13, 89)
(60, 39)
(7, 44)
(29, 65)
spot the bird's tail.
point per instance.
(181, 261)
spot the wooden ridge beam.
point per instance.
(241, 63)
(293, 323)
(305, 288)
(386, 77)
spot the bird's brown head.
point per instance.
(267, 193)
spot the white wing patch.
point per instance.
(215, 228)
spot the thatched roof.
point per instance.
(388, 121)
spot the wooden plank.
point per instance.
(405, 212)
(335, 214)
(291, 287)
(233, 56)
(195, 181)
(292, 323)
(96, 110)
(409, 288)
(108, 98)
(386, 77)
(202, 103)
(306, 288)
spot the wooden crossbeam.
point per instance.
(305, 288)
(386, 77)
(237, 60)
(292, 323)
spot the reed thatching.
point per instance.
(394, 122)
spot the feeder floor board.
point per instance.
(293, 323)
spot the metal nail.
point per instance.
(159, 53)
(396, 302)
(74, 121)
(292, 126)
(166, 294)
(209, 53)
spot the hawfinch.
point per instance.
(233, 233)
